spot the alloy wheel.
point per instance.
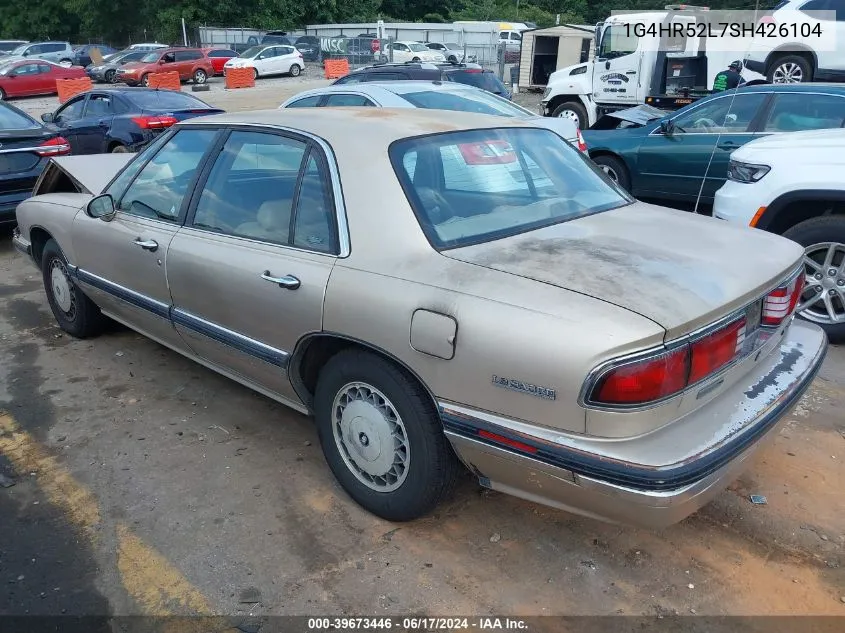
(788, 73)
(823, 300)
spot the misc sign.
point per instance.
(334, 45)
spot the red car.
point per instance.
(190, 63)
(218, 57)
(24, 78)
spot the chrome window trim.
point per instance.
(254, 240)
(344, 242)
(597, 373)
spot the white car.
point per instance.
(430, 95)
(452, 52)
(791, 184)
(799, 42)
(411, 52)
(269, 59)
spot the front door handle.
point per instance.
(147, 245)
(288, 281)
(727, 145)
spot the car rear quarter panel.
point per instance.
(507, 326)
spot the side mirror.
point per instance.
(162, 61)
(666, 127)
(47, 117)
(25, 54)
(102, 207)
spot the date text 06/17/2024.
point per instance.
(409, 624)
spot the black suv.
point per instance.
(471, 74)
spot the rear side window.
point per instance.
(307, 102)
(348, 101)
(222, 53)
(479, 79)
(797, 112)
(14, 120)
(185, 56)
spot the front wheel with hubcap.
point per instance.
(574, 111)
(382, 437)
(823, 300)
(109, 76)
(75, 313)
(200, 76)
(295, 70)
(792, 69)
(145, 81)
(2, 94)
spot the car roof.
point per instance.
(380, 126)
(814, 87)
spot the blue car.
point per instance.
(122, 119)
(683, 156)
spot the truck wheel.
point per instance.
(382, 436)
(572, 110)
(615, 169)
(791, 69)
(823, 301)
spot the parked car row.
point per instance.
(113, 120)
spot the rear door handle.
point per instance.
(288, 281)
(147, 245)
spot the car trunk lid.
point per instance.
(680, 270)
(18, 156)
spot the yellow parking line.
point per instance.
(156, 585)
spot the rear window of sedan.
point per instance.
(477, 186)
(11, 119)
(465, 101)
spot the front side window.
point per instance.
(161, 186)
(618, 41)
(417, 48)
(476, 186)
(727, 115)
(27, 69)
(151, 58)
(72, 111)
(257, 189)
(797, 112)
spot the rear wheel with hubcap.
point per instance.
(382, 437)
(75, 313)
(200, 76)
(109, 77)
(2, 94)
(295, 70)
(823, 300)
(574, 111)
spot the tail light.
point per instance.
(154, 122)
(57, 146)
(667, 373)
(582, 146)
(780, 303)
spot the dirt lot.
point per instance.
(141, 483)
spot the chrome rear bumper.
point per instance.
(612, 485)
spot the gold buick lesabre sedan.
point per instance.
(468, 289)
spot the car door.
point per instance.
(249, 270)
(123, 262)
(93, 128)
(168, 64)
(68, 120)
(264, 61)
(26, 80)
(617, 66)
(699, 144)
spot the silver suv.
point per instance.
(57, 52)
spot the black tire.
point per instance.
(615, 169)
(2, 95)
(452, 59)
(810, 233)
(432, 465)
(255, 72)
(790, 65)
(415, 59)
(145, 81)
(109, 76)
(83, 319)
(200, 76)
(578, 113)
(119, 149)
(295, 70)
(62, 62)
